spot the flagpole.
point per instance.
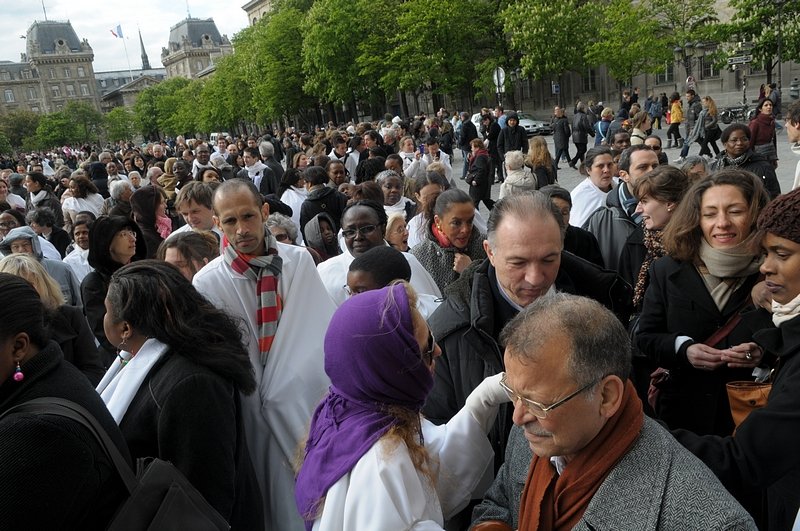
(122, 36)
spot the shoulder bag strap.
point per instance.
(71, 410)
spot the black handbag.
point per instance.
(161, 498)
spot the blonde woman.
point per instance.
(711, 124)
(67, 324)
(641, 124)
(542, 165)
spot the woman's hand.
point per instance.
(461, 262)
(704, 357)
(761, 296)
(746, 355)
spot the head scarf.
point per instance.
(373, 360)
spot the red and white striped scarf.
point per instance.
(265, 271)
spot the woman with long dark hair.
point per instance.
(41, 195)
(147, 206)
(174, 387)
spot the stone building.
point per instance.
(256, 9)
(194, 44)
(55, 68)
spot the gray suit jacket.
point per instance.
(657, 485)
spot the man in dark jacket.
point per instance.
(512, 137)
(492, 130)
(321, 198)
(695, 107)
(468, 133)
(561, 132)
(581, 131)
(525, 261)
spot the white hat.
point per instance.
(396, 120)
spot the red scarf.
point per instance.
(477, 154)
(265, 271)
(555, 502)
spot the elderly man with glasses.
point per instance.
(582, 455)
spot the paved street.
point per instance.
(569, 178)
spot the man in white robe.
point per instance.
(292, 380)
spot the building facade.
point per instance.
(256, 9)
(194, 44)
(55, 68)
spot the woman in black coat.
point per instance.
(53, 474)
(174, 389)
(147, 204)
(763, 454)
(479, 175)
(699, 287)
(113, 242)
(738, 152)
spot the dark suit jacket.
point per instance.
(60, 240)
(677, 303)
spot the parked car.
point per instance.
(533, 126)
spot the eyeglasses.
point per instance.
(364, 231)
(427, 354)
(536, 409)
(127, 233)
(281, 236)
(8, 225)
(740, 140)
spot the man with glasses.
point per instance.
(615, 221)
(275, 291)
(582, 454)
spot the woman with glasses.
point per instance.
(689, 325)
(363, 228)
(738, 153)
(371, 461)
(654, 141)
(452, 241)
(174, 387)
(114, 241)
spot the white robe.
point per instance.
(294, 197)
(292, 382)
(333, 273)
(78, 261)
(586, 198)
(385, 491)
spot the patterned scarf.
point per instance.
(652, 241)
(264, 271)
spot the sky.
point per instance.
(93, 20)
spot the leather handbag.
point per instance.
(745, 397)
(161, 498)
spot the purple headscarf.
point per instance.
(373, 360)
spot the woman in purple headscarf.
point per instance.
(371, 461)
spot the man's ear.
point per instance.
(216, 221)
(624, 176)
(612, 388)
(265, 210)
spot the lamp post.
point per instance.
(516, 77)
(687, 55)
(780, 3)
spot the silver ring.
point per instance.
(748, 355)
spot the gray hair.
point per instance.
(526, 206)
(285, 223)
(600, 344)
(107, 155)
(115, 188)
(266, 149)
(152, 170)
(385, 174)
(692, 161)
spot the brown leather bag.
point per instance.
(745, 397)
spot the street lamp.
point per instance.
(780, 3)
(688, 55)
(516, 77)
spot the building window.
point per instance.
(26, 74)
(708, 68)
(199, 65)
(84, 89)
(55, 90)
(35, 108)
(52, 73)
(666, 76)
(9, 94)
(67, 72)
(81, 72)
(103, 83)
(71, 90)
(116, 82)
(590, 80)
(33, 94)
(5, 76)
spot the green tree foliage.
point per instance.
(550, 36)
(5, 144)
(119, 124)
(628, 41)
(56, 129)
(87, 120)
(156, 105)
(757, 22)
(225, 98)
(19, 125)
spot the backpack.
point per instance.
(160, 496)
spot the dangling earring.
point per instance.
(122, 359)
(18, 374)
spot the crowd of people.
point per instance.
(322, 331)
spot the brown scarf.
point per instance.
(652, 241)
(554, 502)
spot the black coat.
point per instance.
(583, 244)
(468, 133)
(758, 164)
(60, 240)
(492, 134)
(466, 327)
(677, 303)
(190, 416)
(71, 331)
(480, 172)
(512, 139)
(764, 452)
(324, 199)
(53, 474)
(561, 132)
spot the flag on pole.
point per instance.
(118, 32)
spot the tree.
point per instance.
(549, 36)
(56, 129)
(87, 120)
(628, 41)
(19, 125)
(156, 104)
(759, 23)
(686, 22)
(5, 144)
(225, 98)
(119, 124)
